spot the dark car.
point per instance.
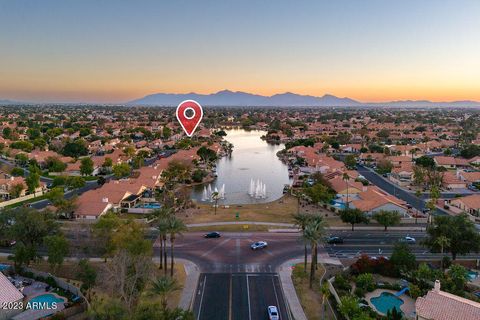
(212, 235)
(334, 240)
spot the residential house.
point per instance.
(469, 204)
(450, 162)
(374, 199)
(441, 305)
(452, 181)
(7, 183)
(9, 295)
(402, 175)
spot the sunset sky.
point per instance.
(115, 51)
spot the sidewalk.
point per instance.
(285, 273)
(290, 227)
(190, 286)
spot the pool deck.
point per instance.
(32, 314)
(408, 306)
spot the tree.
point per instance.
(215, 198)
(55, 195)
(402, 257)
(346, 178)
(314, 232)
(350, 161)
(55, 165)
(87, 275)
(349, 307)
(17, 172)
(387, 218)
(57, 249)
(425, 162)
(163, 287)
(443, 242)
(161, 216)
(460, 232)
(325, 296)
(33, 182)
(107, 163)
(166, 132)
(86, 166)
(75, 149)
(458, 276)
(206, 154)
(107, 308)
(175, 227)
(75, 182)
(365, 281)
(176, 171)
(21, 159)
(319, 193)
(16, 190)
(301, 220)
(353, 216)
(384, 166)
(30, 229)
(103, 231)
(394, 314)
(121, 170)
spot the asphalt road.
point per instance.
(89, 185)
(232, 254)
(392, 189)
(238, 296)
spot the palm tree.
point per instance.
(301, 220)
(314, 232)
(215, 197)
(325, 296)
(442, 242)
(175, 227)
(163, 287)
(345, 178)
(160, 216)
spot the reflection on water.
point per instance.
(252, 158)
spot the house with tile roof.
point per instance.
(374, 199)
(8, 294)
(469, 204)
(441, 305)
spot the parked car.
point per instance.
(273, 313)
(212, 235)
(408, 239)
(334, 240)
(259, 245)
(7, 243)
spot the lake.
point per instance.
(252, 158)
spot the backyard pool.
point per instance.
(150, 206)
(45, 301)
(386, 301)
(4, 267)
(472, 275)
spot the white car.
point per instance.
(408, 239)
(273, 313)
(259, 245)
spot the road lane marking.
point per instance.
(248, 299)
(276, 296)
(201, 298)
(230, 300)
(215, 247)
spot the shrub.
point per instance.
(359, 292)
(341, 283)
(365, 281)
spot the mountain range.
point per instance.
(243, 99)
(229, 98)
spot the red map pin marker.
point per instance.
(189, 114)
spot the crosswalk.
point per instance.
(240, 268)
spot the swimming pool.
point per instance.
(150, 206)
(386, 301)
(4, 267)
(472, 275)
(45, 301)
